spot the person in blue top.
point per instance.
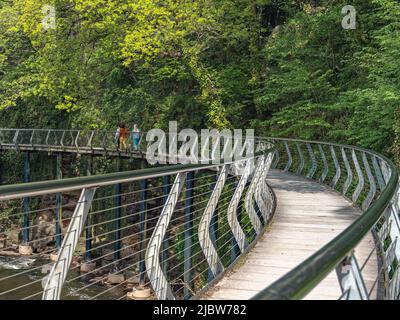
(135, 135)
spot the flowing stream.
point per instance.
(9, 280)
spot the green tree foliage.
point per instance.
(324, 82)
(286, 68)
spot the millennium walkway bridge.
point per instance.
(299, 219)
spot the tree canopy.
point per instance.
(285, 68)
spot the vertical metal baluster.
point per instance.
(117, 213)
(188, 272)
(235, 246)
(338, 172)
(55, 280)
(276, 159)
(89, 144)
(290, 160)
(77, 140)
(158, 280)
(325, 172)
(213, 226)
(250, 196)
(62, 139)
(31, 139)
(263, 192)
(46, 142)
(378, 174)
(88, 240)
(233, 221)
(371, 181)
(301, 164)
(143, 229)
(360, 185)
(165, 245)
(349, 173)
(313, 168)
(386, 172)
(351, 280)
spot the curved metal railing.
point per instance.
(371, 182)
(173, 229)
(76, 141)
(178, 257)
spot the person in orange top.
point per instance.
(123, 133)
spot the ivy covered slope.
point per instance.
(283, 67)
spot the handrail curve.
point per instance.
(367, 179)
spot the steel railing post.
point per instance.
(158, 279)
(26, 201)
(351, 280)
(235, 251)
(206, 231)
(55, 281)
(58, 175)
(31, 139)
(213, 225)
(117, 212)
(88, 238)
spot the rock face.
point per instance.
(3, 241)
(131, 245)
(44, 224)
(43, 231)
(13, 234)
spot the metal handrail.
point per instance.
(9, 192)
(301, 280)
(298, 282)
(229, 229)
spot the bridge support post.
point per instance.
(143, 229)
(1, 167)
(213, 226)
(58, 175)
(165, 244)
(187, 265)
(88, 240)
(26, 207)
(117, 212)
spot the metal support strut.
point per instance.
(58, 175)
(58, 273)
(26, 202)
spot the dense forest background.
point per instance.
(284, 67)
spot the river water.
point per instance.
(19, 271)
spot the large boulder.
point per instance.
(13, 234)
(43, 231)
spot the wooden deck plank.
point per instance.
(308, 216)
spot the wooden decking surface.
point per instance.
(308, 216)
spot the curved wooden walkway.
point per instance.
(308, 216)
